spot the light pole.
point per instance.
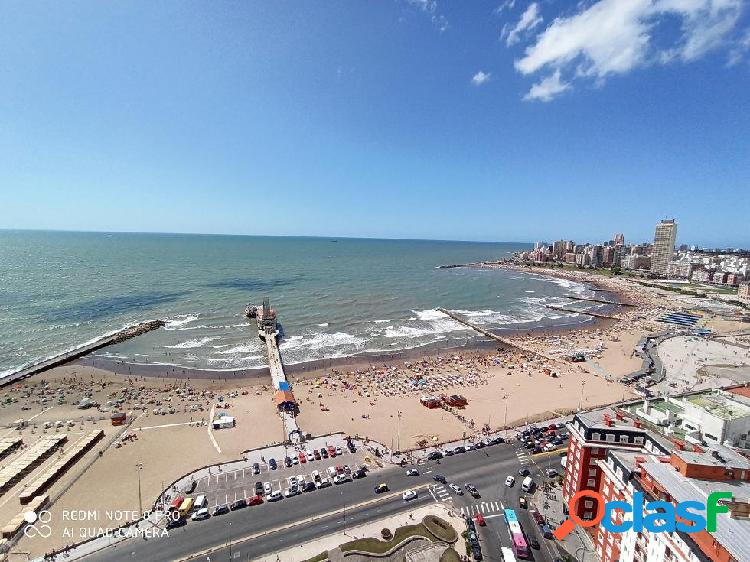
(138, 469)
(398, 431)
(505, 421)
(580, 402)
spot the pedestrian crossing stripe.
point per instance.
(484, 508)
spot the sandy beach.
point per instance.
(377, 398)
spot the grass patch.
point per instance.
(319, 558)
(440, 528)
(376, 546)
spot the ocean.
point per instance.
(334, 297)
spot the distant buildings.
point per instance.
(663, 250)
(744, 292)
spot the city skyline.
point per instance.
(412, 119)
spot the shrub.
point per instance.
(386, 534)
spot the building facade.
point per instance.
(663, 249)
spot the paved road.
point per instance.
(486, 469)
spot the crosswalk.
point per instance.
(523, 456)
(485, 508)
(440, 492)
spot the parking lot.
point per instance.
(225, 487)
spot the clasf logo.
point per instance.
(37, 524)
(662, 516)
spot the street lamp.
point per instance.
(138, 469)
(580, 402)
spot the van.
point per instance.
(186, 506)
(200, 502)
(528, 484)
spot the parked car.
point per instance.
(291, 491)
(351, 446)
(267, 488)
(308, 487)
(309, 456)
(272, 464)
(472, 490)
(412, 472)
(537, 517)
(533, 543)
(439, 478)
(316, 454)
(551, 473)
(201, 514)
(274, 496)
(459, 449)
(220, 510)
(256, 468)
(238, 504)
(324, 483)
(522, 503)
(255, 500)
(509, 481)
(331, 451)
(449, 452)
(523, 472)
(258, 488)
(175, 523)
(359, 473)
(480, 520)
(435, 455)
(409, 495)
(323, 453)
(287, 462)
(339, 451)
(301, 456)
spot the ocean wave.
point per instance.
(243, 348)
(320, 340)
(381, 321)
(181, 320)
(190, 344)
(323, 325)
(430, 314)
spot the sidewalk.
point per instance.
(550, 505)
(372, 529)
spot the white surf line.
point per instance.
(210, 426)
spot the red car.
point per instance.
(331, 451)
(302, 457)
(480, 520)
(255, 500)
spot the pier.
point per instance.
(268, 331)
(118, 337)
(569, 311)
(575, 298)
(460, 319)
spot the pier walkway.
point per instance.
(278, 377)
(502, 340)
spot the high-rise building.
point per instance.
(619, 239)
(664, 239)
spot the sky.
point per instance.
(496, 121)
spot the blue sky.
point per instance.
(509, 121)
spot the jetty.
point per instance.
(569, 311)
(602, 301)
(268, 331)
(468, 323)
(66, 357)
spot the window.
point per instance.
(624, 438)
(587, 515)
(638, 440)
(592, 472)
(591, 482)
(595, 450)
(610, 437)
(596, 436)
(588, 503)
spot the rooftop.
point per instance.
(732, 534)
(718, 404)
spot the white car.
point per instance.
(291, 492)
(323, 483)
(295, 460)
(551, 473)
(456, 489)
(310, 456)
(549, 447)
(509, 481)
(315, 475)
(267, 488)
(409, 495)
(274, 496)
(339, 452)
(332, 471)
(201, 514)
(412, 472)
(300, 480)
(470, 446)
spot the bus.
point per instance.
(520, 546)
(507, 554)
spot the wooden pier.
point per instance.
(502, 340)
(119, 337)
(569, 311)
(575, 298)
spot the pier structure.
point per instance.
(63, 358)
(588, 313)
(575, 298)
(286, 404)
(468, 323)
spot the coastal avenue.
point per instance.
(485, 468)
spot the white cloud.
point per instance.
(430, 7)
(529, 20)
(615, 36)
(548, 88)
(480, 78)
(740, 49)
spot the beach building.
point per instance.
(663, 249)
(681, 476)
(708, 417)
(223, 422)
